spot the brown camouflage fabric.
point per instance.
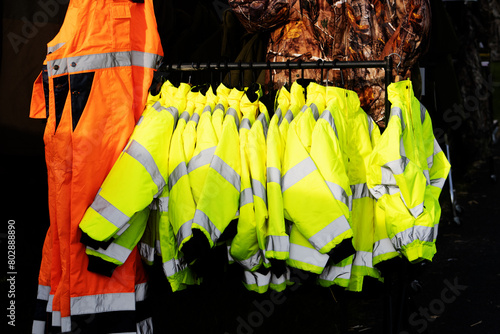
(344, 30)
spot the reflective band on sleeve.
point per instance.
(338, 192)
(207, 109)
(277, 243)
(232, 112)
(176, 174)
(273, 175)
(363, 259)
(109, 302)
(219, 106)
(245, 124)
(383, 246)
(308, 255)
(185, 116)
(109, 211)
(66, 325)
(331, 273)
(201, 159)
(226, 171)
(141, 154)
(195, 118)
(370, 124)
(360, 190)
(49, 304)
(397, 112)
(288, 116)
(246, 197)
(173, 266)
(262, 119)
(297, 173)
(56, 318)
(414, 233)
(122, 229)
(259, 190)
(330, 232)
(38, 327)
(43, 292)
(422, 112)
(438, 182)
(184, 231)
(304, 108)
(115, 251)
(255, 278)
(141, 291)
(251, 262)
(327, 116)
(397, 166)
(202, 219)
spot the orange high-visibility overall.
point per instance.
(92, 91)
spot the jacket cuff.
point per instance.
(341, 251)
(88, 241)
(100, 266)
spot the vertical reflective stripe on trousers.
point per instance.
(173, 266)
(415, 233)
(43, 292)
(202, 220)
(179, 171)
(232, 112)
(338, 192)
(259, 190)
(327, 116)
(297, 173)
(109, 212)
(278, 243)
(273, 175)
(363, 259)
(201, 159)
(307, 255)
(141, 154)
(145, 326)
(184, 231)
(383, 246)
(109, 302)
(330, 232)
(246, 197)
(141, 291)
(226, 171)
(330, 273)
(38, 327)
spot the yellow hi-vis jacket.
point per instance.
(277, 240)
(222, 93)
(219, 199)
(406, 174)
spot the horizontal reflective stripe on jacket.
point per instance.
(255, 278)
(246, 197)
(99, 61)
(288, 117)
(439, 182)
(330, 232)
(259, 190)
(251, 262)
(278, 243)
(297, 173)
(360, 190)
(315, 111)
(338, 192)
(363, 259)
(307, 255)
(415, 233)
(201, 219)
(331, 273)
(195, 118)
(109, 302)
(185, 116)
(179, 171)
(201, 159)
(383, 246)
(327, 116)
(273, 175)
(226, 171)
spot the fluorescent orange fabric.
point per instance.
(99, 68)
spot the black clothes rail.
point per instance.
(385, 64)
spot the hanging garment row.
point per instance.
(316, 186)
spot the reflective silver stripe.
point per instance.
(54, 48)
(141, 154)
(202, 220)
(255, 278)
(363, 259)
(288, 117)
(397, 112)
(360, 190)
(201, 159)
(297, 173)
(43, 292)
(173, 266)
(219, 106)
(278, 114)
(245, 124)
(427, 177)
(437, 149)
(246, 197)
(338, 192)
(381, 189)
(122, 229)
(439, 182)
(315, 111)
(38, 327)
(370, 125)
(66, 325)
(304, 108)
(184, 231)
(147, 251)
(414, 233)
(98, 61)
(331, 273)
(195, 118)
(330, 232)
(402, 151)
(145, 326)
(397, 166)
(415, 211)
(109, 212)
(259, 190)
(327, 116)
(141, 292)
(278, 243)
(56, 318)
(232, 112)
(383, 246)
(109, 302)
(252, 261)
(179, 171)
(422, 112)
(139, 121)
(153, 205)
(185, 116)
(172, 110)
(49, 304)
(207, 109)
(163, 204)
(273, 175)
(307, 255)
(115, 251)
(262, 119)
(282, 279)
(226, 171)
